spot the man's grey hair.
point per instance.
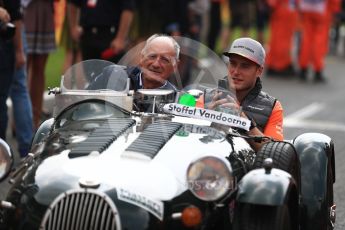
(175, 44)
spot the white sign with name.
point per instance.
(153, 206)
(207, 114)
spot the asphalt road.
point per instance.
(308, 107)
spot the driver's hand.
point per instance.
(219, 101)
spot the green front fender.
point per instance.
(265, 187)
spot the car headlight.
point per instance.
(209, 178)
(6, 159)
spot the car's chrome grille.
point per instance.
(81, 210)
(100, 139)
(153, 138)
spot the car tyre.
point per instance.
(284, 157)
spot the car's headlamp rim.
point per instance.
(209, 178)
(6, 159)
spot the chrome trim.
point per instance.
(332, 215)
(7, 205)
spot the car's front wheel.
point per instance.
(283, 155)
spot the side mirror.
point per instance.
(6, 160)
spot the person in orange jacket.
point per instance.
(283, 24)
(316, 19)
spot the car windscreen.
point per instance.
(95, 75)
(89, 110)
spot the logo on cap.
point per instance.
(248, 48)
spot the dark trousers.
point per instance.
(95, 40)
(215, 25)
(7, 64)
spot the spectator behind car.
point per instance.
(246, 63)
(158, 61)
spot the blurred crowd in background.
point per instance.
(296, 34)
(309, 26)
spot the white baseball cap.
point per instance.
(248, 48)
